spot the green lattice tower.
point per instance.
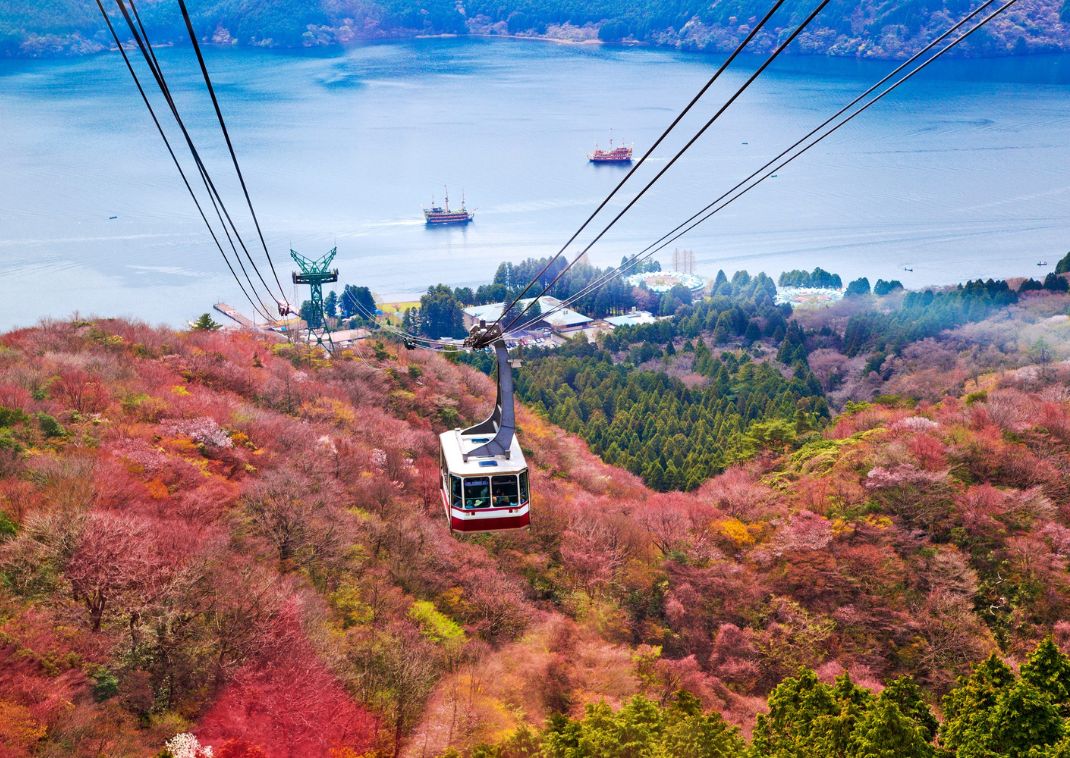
(316, 273)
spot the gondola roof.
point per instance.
(456, 445)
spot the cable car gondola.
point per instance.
(484, 475)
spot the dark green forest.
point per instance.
(991, 712)
(654, 425)
(621, 399)
(817, 278)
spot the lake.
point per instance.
(963, 172)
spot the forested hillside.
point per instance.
(846, 27)
(681, 399)
(209, 539)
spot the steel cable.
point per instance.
(226, 135)
(174, 158)
(149, 54)
(746, 84)
(661, 138)
(650, 250)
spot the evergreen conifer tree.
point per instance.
(1048, 669)
(1023, 721)
(205, 323)
(795, 705)
(857, 288)
(907, 695)
(968, 708)
(884, 731)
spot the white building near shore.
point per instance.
(563, 321)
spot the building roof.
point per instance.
(564, 318)
(489, 312)
(631, 319)
(349, 335)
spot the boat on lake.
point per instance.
(621, 154)
(443, 214)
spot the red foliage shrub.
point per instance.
(235, 748)
(81, 391)
(14, 396)
(738, 493)
(287, 703)
(928, 452)
(803, 531)
(594, 549)
(116, 558)
(686, 674)
(734, 659)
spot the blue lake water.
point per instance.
(964, 172)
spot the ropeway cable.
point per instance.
(750, 80)
(636, 258)
(174, 158)
(230, 145)
(665, 133)
(826, 122)
(650, 250)
(607, 276)
(147, 52)
(213, 195)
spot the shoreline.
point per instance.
(75, 45)
(547, 38)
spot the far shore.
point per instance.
(75, 45)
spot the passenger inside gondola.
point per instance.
(506, 494)
(477, 492)
(501, 491)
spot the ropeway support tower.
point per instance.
(316, 273)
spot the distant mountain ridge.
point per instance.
(851, 28)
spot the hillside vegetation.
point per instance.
(202, 533)
(861, 28)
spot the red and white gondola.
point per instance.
(484, 475)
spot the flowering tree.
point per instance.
(115, 557)
(294, 517)
(186, 745)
